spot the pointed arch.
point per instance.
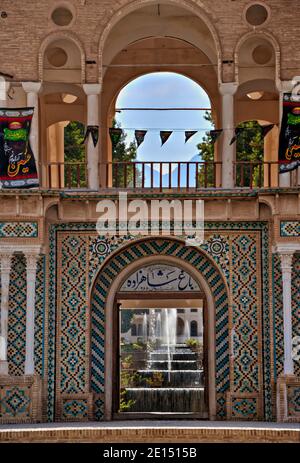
(107, 283)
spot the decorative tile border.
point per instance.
(20, 399)
(98, 259)
(290, 228)
(243, 407)
(18, 229)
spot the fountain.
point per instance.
(187, 331)
(172, 381)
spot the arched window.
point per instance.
(194, 328)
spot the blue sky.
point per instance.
(164, 89)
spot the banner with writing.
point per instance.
(289, 141)
(17, 163)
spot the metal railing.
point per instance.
(164, 175)
(66, 175)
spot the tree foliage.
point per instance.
(249, 147)
(121, 153)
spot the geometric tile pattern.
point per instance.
(39, 325)
(293, 398)
(15, 402)
(296, 303)
(217, 246)
(290, 228)
(277, 316)
(75, 409)
(244, 408)
(98, 248)
(246, 313)
(16, 342)
(167, 247)
(72, 314)
(18, 229)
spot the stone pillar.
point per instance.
(227, 91)
(286, 267)
(92, 91)
(4, 88)
(5, 274)
(31, 266)
(32, 89)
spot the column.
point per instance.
(227, 91)
(5, 273)
(32, 89)
(4, 88)
(31, 266)
(286, 267)
(92, 91)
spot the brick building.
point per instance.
(61, 281)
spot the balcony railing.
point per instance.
(164, 175)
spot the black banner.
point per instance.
(165, 135)
(189, 134)
(92, 130)
(140, 136)
(237, 133)
(266, 129)
(17, 163)
(289, 140)
(215, 134)
(115, 135)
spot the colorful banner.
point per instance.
(92, 130)
(189, 134)
(289, 140)
(140, 136)
(115, 135)
(164, 136)
(17, 163)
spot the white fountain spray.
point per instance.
(187, 331)
(145, 328)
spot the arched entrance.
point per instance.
(122, 264)
(159, 369)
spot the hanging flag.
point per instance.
(165, 135)
(265, 129)
(92, 130)
(115, 135)
(189, 134)
(17, 163)
(140, 136)
(237, 133)
(214, 134)
(289, 141)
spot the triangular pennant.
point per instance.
(189, 134)
(115, 135)
(92, 130)
(214, 134)
(164, 136)
(237, 132)
(266, 129)
(140, 136)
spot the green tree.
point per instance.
(249, 148)
(123, 174)
(206, 148)
(75, 157)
